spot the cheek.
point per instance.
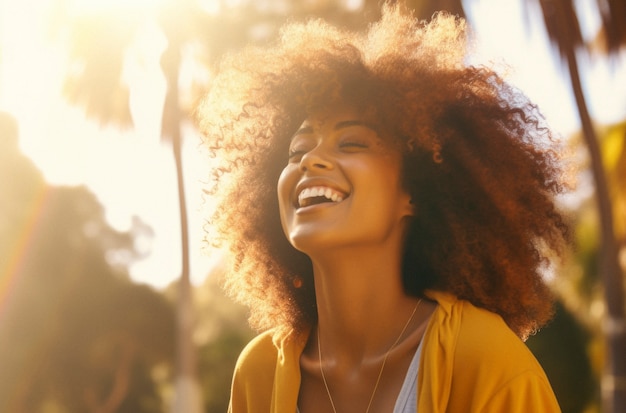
(286, 182)
(391, 181)
(283, 184)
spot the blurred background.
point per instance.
(109, 290)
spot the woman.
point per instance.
(390, 210)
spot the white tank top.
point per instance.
(407, 398)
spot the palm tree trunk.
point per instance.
(614, 376)
(187, 397)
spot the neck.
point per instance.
(362, 306)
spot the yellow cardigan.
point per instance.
(471, 362)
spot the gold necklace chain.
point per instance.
(382, 367)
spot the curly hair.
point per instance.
(479, 161)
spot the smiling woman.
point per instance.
(390, 213)
(335, 157)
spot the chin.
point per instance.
(315, 240)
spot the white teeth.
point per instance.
(317, 191)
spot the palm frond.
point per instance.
(612, 34)
(96, 59)
(562, 25)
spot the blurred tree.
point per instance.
(563, 28)
(222, 335)
(97, 57)
(583, 289)
(75, 333)
(216, 361)
(222, 332)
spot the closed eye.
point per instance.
(296, 155)
(353, 145)
(300, 145)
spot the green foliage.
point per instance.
(223, 331)
(561, 349)
(216, 362)
(586, 281)
(580, 284)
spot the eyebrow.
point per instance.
(348, 123)
(301, 131)
(338, 125)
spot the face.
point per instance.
(341, 185)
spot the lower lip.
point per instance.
(312, 208)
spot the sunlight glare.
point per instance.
(99, 6)
(142, 72)
(212, 7)
(353, 4)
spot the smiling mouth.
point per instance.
(319, 195)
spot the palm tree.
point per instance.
(98, 42)
(562, 25)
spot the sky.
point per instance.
(132, 173)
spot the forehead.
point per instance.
(331, 116)
(339, 118)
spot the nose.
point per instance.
(315, 159)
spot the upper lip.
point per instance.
(310, 183)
